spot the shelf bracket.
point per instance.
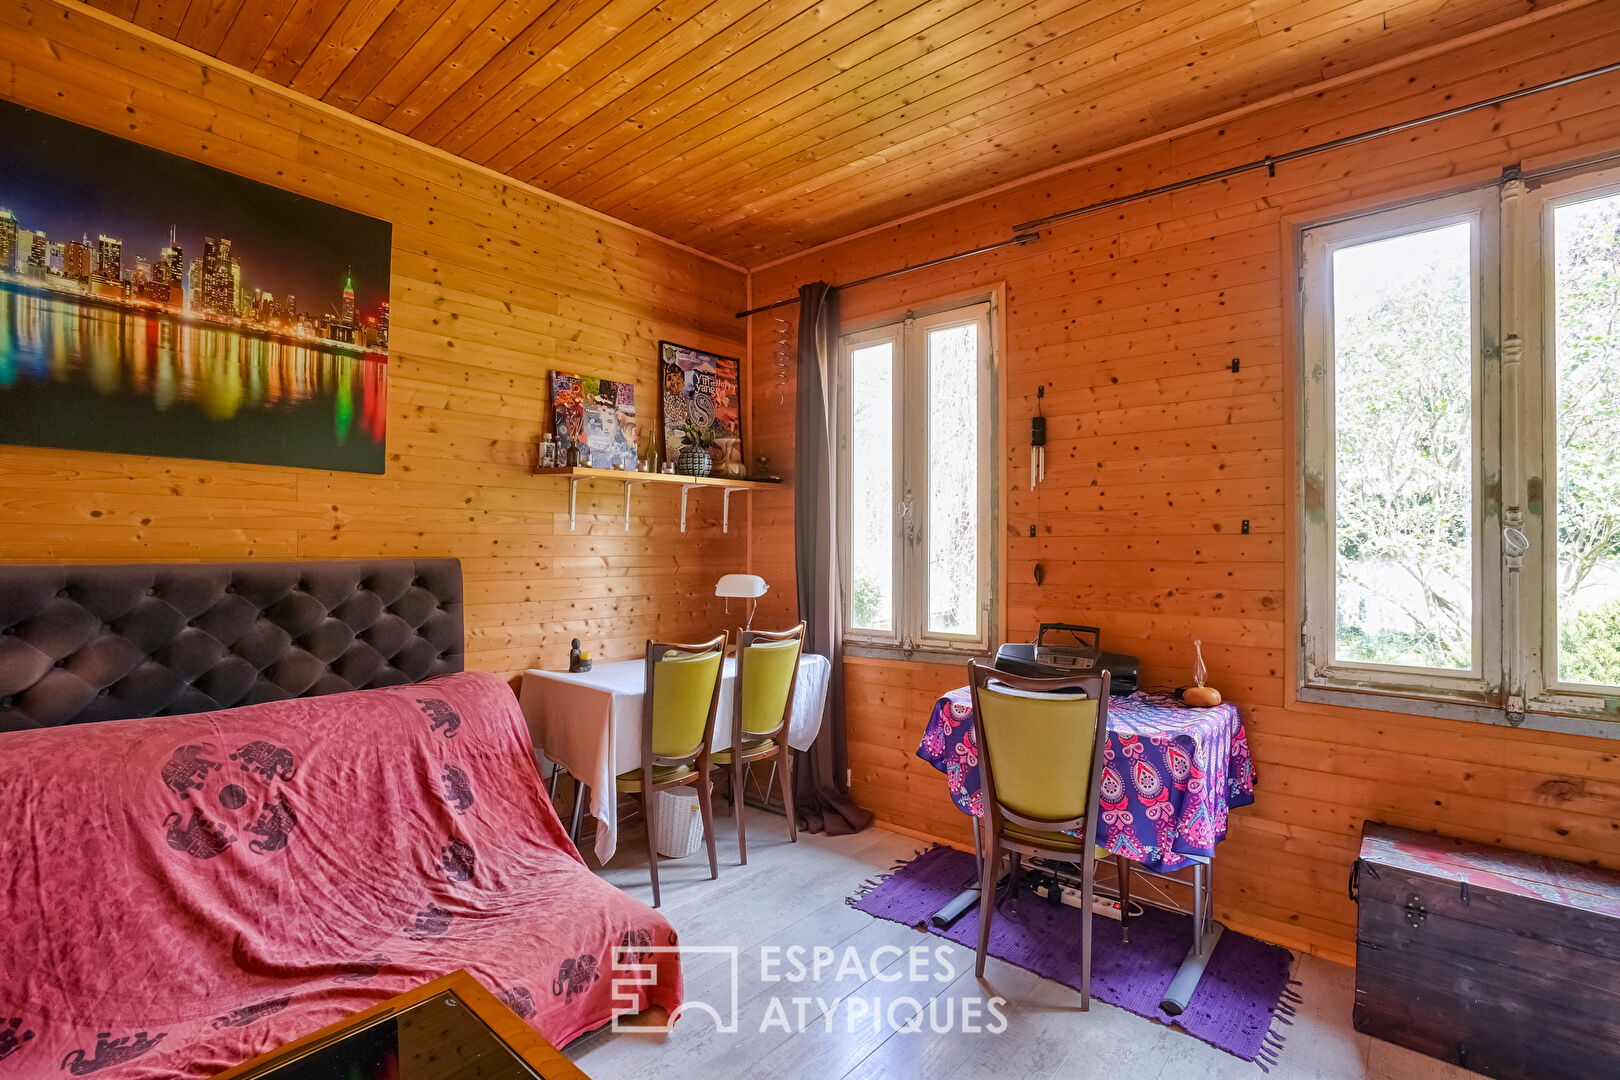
(725, 509)
(684, 489)
(573, 490)
(627, 485)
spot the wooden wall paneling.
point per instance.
(494, 284)
(1157, 452)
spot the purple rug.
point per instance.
(1244, 990)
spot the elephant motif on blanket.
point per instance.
(276, 820)
(249, 1013)
(458, 859)
(199, 838)
(431, 921)
(110, 1052)
(12, 1036)
(360, 970)
(457, 789)
(519, 1000)
(270, 761)
(443, 716)
(187, 769)
(574, 976)
(635, 947)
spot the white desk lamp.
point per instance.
(744, 587)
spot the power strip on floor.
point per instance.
(1070, 897)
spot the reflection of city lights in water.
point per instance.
(220, 368)
(164, 363)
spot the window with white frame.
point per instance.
(1460, 481)
(916, 481)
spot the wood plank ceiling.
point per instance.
(754, 128)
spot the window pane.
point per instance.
(953, 480)
(1403, 463)
(871, 487)
(1587, 378)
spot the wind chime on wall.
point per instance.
(781, 355)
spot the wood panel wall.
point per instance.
(1157, 452)
(494, 284)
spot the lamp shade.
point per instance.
(746, 586)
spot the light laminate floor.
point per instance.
(791, 895)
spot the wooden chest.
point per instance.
(1499, 961)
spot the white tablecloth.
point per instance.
(590, 724)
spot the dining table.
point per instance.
(590, 722)
(1171, 773)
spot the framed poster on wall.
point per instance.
(703, 389)
(596, 415)
(150, 304)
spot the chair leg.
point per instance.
(987, 896)
(1124, 898)
(1088, 879)
(580, 792)
(647, 798)
(707, 811)
(1015, 875)
(739, 789)
(786, 775)
(556, 771)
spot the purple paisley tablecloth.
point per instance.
(1170, 773)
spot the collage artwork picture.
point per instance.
(705, 390)
(150, 304)
(596, 415)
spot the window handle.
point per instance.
(908, 527)
(1514, 543)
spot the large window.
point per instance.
(916, 408)
(1460, 489)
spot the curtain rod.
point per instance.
(1271, 162)
(1020, 239)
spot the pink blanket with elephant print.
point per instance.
(182, 893)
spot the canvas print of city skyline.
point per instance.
(150, 304)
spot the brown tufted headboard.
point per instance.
(86, 643)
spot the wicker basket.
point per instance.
(680, 823)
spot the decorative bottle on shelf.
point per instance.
(548, 453)
(572, 461)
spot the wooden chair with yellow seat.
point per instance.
(677, 725)
(1040, 769)
(762, 703)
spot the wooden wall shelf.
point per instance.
(576, 473)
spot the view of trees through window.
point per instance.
(915, 496)
(953, 466)
(1404, 455)
(1586, 238)
(871, 481)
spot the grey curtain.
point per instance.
(820, 788)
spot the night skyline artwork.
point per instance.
(156, 305)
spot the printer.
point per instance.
(1072, 650)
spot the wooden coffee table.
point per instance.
(448, 1029)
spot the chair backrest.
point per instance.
(1040, 746)
(683, 688)
(767, 671)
